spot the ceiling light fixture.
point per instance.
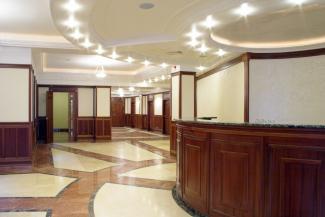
(87, 44)
(100, 72)
(150, 81)
(72, 6)
(156, 79)
(244, 10)
(209, 22)
(146, 63)
(297, 2)
(194, 34)
(201, 68)
(129, 59)
(114, 55)
(71, 22)
(193, 43)
(221, 52)
(146, 5)
(203, 48)
(163, 77)
(131, 89)
(164, 65)
(99, 50)
(76, 34)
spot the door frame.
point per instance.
(49, 111)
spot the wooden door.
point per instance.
(73, 110)
(118, 113)
(166, 117)
(49, 116)
(150, 115)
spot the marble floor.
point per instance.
(162, 144)
(94, 179)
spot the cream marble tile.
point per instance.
(122, 150)
(162, 144)
(23, 214)
(115, 200)
(165, 172)
(32, 185)
(70, 161)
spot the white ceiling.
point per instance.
(157, 34)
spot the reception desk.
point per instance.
(250, 170)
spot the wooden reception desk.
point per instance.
(250, 170)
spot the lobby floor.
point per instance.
(128, 177)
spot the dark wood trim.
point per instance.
(287, 55)
(195, 97)
(71, 86)
(246, 88)
(16, 66)
(222, 66)
(180, 97)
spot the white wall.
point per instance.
(222, 94)
(175, 97)
(288, 91)
(42, 101)
(188, 96)
(144, 105)
(127, 105)
(138, 105)
(14, 95)
(15, 55)
(103, 102)
(85, 102)
(158, 104)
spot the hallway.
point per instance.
(132, 175)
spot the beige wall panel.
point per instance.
(222, 95)
(175, 97)
(138, 105)
(42, 101)
(144, 105)
(103, 102)
(158, 104)
(288, 91)
(60, 110)
(127, 105)
(188, 96)
(85, 102)
(14, 95)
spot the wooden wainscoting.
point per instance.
(15, 143)
(156, 123)
(128, 120)
(145, 122)
(138, 121)
(173, 138)
(103, 128)
(85, 128)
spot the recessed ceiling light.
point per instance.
(297, 2)
(129, 60)
(131, 89)
(146, 5)
(100, 75)
(201, 68)
(163, 77)
(209, 22)
(164, 65)
(72, 6)
(194, 34)
(193, 43)
(169, 76)
(150, 81)
(221, 52)
(203, 48)
(76, 34)
(244, 10)
(146, 63)
(100, 50)
(114, 55)
(156, 79)
(71, 22)
(86, 43)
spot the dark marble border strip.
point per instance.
(48, 211)
(184, 206)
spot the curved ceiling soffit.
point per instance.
(59, 16)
